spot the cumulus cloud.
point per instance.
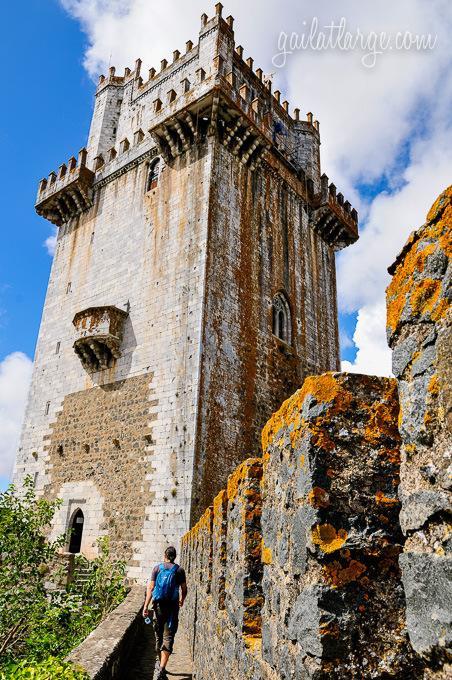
(387, 126)
(15, 375)
(373, 355)
(50, 242)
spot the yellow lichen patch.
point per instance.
(267, 554)
(337, 575)
(424, 296)
(318, 497)
(433, 386)
(381, 499)
(253, 643)
(302, 460)
(327, 538)
(394, 310)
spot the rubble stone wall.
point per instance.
(420, 333)
(293, 571)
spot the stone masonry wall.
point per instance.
(143, 252)
(261, 242)
(420, 333)
(100, 437)
(294, 571)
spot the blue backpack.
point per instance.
(166, 587)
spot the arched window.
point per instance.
(76, 531)
(282, 326)
(153, 175)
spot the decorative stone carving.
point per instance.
(99, 333)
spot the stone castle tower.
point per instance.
(192, 290)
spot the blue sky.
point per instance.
(386, 139)
(44, 120)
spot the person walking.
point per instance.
(167, 589)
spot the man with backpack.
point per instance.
(166, 580)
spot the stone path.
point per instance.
(143, 656)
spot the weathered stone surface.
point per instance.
(311, 579)
(420, 332)
(104, 654)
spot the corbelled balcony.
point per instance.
(99, 332)
(67, 193)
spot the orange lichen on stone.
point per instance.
(425, 296)
(381, 499)
(250, 468)
(318, 497)
(383, 417)
(325, 388)
(441, 205)
(337, 575)
(327, 538)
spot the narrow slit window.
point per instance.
(47, 408)
(57, 348)
(153, 175)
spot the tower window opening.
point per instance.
(47, 408)
(57, 348)
(281, 318)
(153, 175)
(76, 531)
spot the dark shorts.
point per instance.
(166, 622)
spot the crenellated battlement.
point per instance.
(215, 61)
(67, 193)
(212, 89)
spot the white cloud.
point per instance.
(50, 242)
(373, 355)
(385, 126)
(15, 375)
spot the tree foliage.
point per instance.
(42, 620)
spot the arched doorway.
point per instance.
(76, 531)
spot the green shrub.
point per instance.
(50, 669)
(39, 623)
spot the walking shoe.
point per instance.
(162, 675)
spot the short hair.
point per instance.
(170, 553)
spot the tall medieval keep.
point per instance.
(192, 290)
